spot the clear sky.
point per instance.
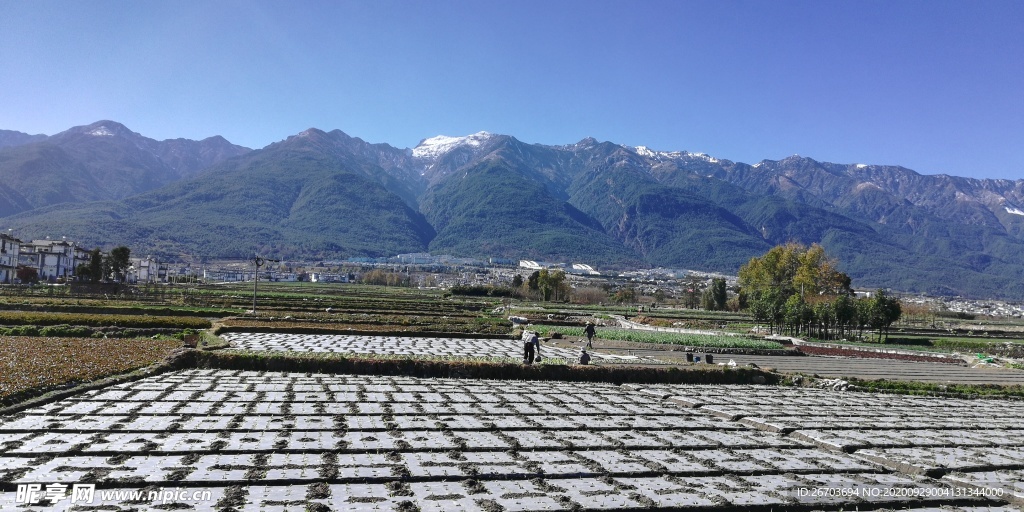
(933, 85)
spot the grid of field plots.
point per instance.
(280, 441)
(407, 345)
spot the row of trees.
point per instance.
(386, 278)
(112, 267)
(544, 284)
(797, 290)
(714, 297)
(826, 318)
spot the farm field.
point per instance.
(852, 367)
(286, 441)
(28, 363)
(299, 439)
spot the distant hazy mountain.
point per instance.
(309, 196)
(103, 160)
(10, 138)
(328, 195)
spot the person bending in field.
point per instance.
(590, 332)
(584, 357)
(530, 341)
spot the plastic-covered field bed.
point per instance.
(409, 345)
(280, 441)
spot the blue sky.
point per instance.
(932, 85)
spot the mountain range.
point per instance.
(326, 195)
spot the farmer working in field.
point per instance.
(590, 332)
(530, 342)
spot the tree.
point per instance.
(625, 295)
(551, 284)
(718, 293)
(120, 259)
(27, 275)
(589, 295)
(533, 282)
(883, 311)
(824, 314)
(794, 268)
(797, 313)
(767, 306)
(517, 281)
(95, 265)
(770, 283)
(707, 299)
(845, 311)
(691, 291)
(82, 272)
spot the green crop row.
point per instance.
(663, 337)
(930, 388)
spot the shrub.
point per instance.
(25, 330)
(64, 330)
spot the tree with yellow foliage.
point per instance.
(794, 268)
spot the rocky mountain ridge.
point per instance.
(324, 194)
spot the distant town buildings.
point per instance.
(571, 268)
(52, 260)
(56, 261)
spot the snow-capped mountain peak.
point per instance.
(441, 144)
(645, 151)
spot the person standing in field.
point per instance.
(590, 331)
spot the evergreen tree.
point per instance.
(719, 294)
(120, 259)
(95, 273)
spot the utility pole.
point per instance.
(257, 263)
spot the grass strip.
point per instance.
(932, 389)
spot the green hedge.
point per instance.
(427, 368)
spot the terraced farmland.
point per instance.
(287, 441)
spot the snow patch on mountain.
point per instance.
(861, 166)
(645, 151)
(102, 131)
(1014, 211)
(441, 144)
(705, 157)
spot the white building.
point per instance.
(53, 260)
(10, 247)
(583, 269)
(530, 265)
(146, 270)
